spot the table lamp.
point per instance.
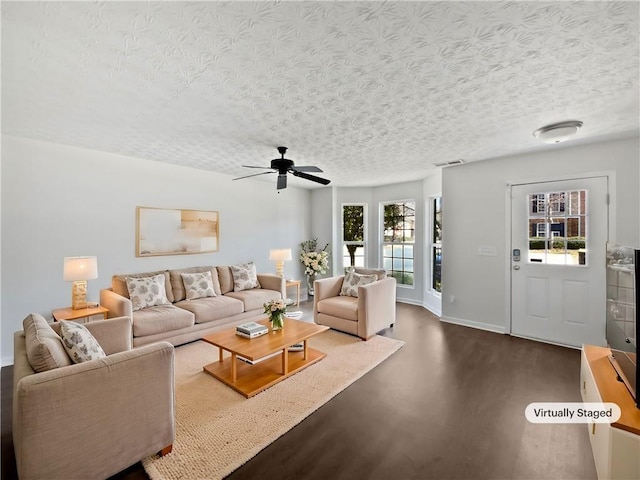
(280, 256)
(78, 270)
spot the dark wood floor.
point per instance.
(449, 405)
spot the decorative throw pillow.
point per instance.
(198, 285)
(147, 291)
(44, 347)
(79, 343)
(353, 280)
(245, 277)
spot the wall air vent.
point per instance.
(448, 164)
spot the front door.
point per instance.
(558, 291)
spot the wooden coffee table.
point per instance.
(249, 379)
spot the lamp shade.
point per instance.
(280, 255)
(80, 268)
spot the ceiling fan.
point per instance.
(282, 166)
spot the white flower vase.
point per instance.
(310, 279)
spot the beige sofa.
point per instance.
(374, 308)
(183, 320)
(89, 420)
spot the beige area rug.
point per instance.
(218, 430)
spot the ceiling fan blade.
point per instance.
(253, 175)
(313, 178)
(308, 168)
(253, 166)
(282, 181)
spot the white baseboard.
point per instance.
(470, 323)
(409, 301)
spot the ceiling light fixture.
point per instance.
(558, 132)
(449, 163)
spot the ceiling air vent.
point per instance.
(448, 164)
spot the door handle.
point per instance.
(516, 267)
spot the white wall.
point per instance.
(60, 201)
(474, 206)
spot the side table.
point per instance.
(71, 314)
(295, 283)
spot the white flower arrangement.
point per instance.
(314, 261)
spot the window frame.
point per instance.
(384, 243)
(365, 231)
(434, 244)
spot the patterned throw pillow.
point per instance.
(245, 277)
(147, 291)
(198, 285)
(353, 280)
(79, 343)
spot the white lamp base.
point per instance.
(280, 269)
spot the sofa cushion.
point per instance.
(119, 283)
(177, 283)
(44, 347)
(147, 292)
(353, 280)
(225, 276)
(212, 308)
(256, 298)
(79, 343)
(343, 307)
(160, 319)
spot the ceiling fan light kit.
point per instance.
(282, 166)
(558, 132)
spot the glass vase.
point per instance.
(277, 321)
(311, 278)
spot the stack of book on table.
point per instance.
(251, 330)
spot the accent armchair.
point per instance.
(93, 419)
(373, 309)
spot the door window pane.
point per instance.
(557, 228)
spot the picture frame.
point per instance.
(167, 231)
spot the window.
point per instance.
(557, 228)
(436, 244)
(353, 236)
(398, 240)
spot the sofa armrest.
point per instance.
(271, 281)
(118, 305)
(114, 335)
(92, 419)
(376, 306)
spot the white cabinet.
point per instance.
(616, 451)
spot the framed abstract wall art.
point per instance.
(165, 231)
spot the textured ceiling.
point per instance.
(371, 92)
